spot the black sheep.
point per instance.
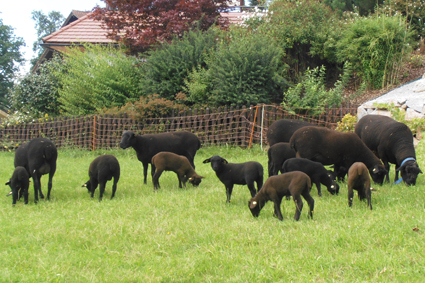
(168, 161)
(19, 184)
(237, 173)
(359, 180)
(282, 130)
(38, 156)
(315, 170)
(295, 184)
(278, 153)
(392, 142)
(146, 146)
(340, 149)
(101, 170)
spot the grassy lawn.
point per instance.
(192, 235)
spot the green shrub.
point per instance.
(168, 66)
(375, 45)
(97, 78)
(246, 70)
(311, 91)
(347, 123)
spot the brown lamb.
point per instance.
(295, 184)
(179, 164)
(359, 180)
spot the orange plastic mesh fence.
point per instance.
(213, 126)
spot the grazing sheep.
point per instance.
(315, 170)
(282, 130)
(38, 156)
(19, 184)
(359, 180)
(179, 164)
(101, 170)
(392, 142)
(278, 153)
(146, 146)
(340, 149)
(237, 173)
(295, 184)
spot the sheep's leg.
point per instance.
(251, 188)
(114, 187)
(310, 202)
(368, 197)
(387, 167)
(15, 195)
(350, 196)
(229, 190)
(37, 187)
(49, 185)
(94, 184)
(101, 190)
(277, 211)
(319, 189)
(145, 172)
(155, 179)
(26, 196)
(182, 179)
(298, 206)
(153, 170)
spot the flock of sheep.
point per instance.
(299, 150)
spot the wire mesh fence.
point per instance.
(238, 126)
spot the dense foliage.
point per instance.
(247, 69)
(141, 24)
(36, 94)
(10, 59)
(97, 78)
(376, 46)
(166, 67)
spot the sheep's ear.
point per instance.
(8, 183)
(84, 186)
(207, 160)
(224, 161)
(191, 178)
(253, 204)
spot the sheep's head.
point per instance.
(333, 188)
(255, 207)
(87, 185)
(216, 162)
(127, 139)
(409, 172)
(195, 180)
(378, 173)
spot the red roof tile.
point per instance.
(83, 30)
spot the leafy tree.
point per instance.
(10, 58)
(37, 93)
(141, 24)
(168, 66)
(98, 78)
(302, 29)
(45, 25)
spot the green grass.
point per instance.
(192, 235)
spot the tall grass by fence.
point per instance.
(239, 126)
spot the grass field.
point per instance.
(192, 235)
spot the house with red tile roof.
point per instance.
(79, 29)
